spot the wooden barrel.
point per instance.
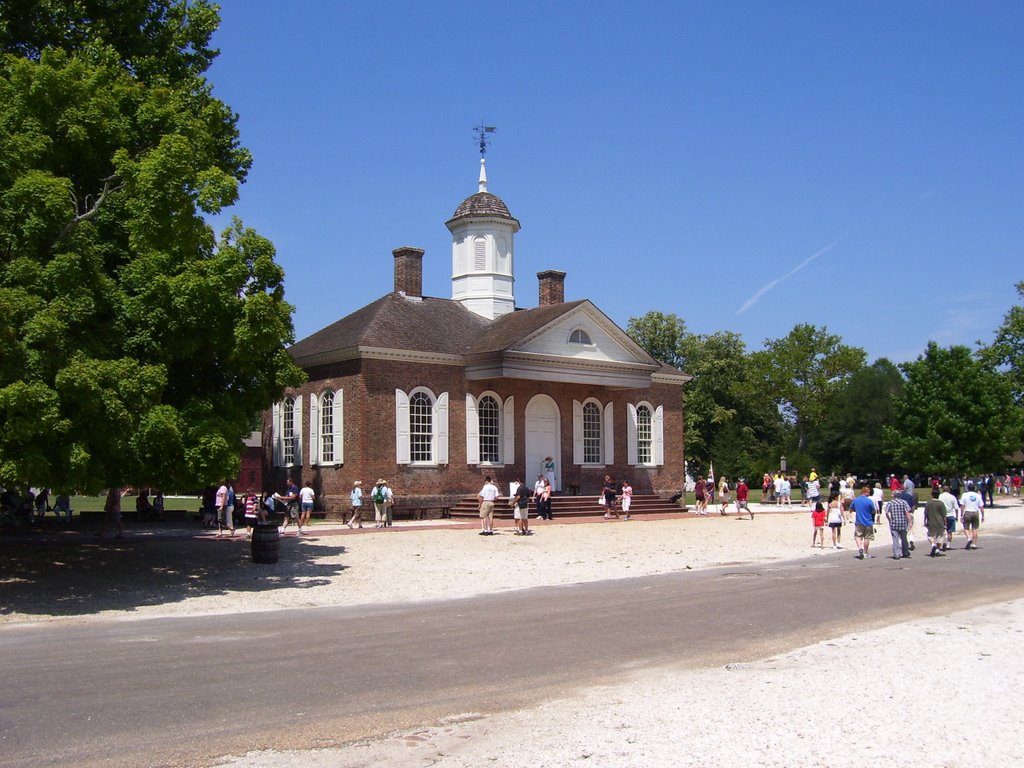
(265, 543)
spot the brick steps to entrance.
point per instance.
(568, 506)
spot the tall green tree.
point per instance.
(725, 419)
(955, 415)
(802, 372)
(1007, 349)
(662, 336)
(850, 436)
(135, 345)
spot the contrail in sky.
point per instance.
(772, 283)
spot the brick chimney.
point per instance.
(552, 287)
(409, 270)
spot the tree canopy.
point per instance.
(850, 435)
(811, 397)
(135, 345)
(1007, 349)
(728, 421)
(804, 370)
(956, 415)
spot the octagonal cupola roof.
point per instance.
(483, 204)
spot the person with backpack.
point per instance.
(382, 500)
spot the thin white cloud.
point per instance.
(772, 283)
(964, 319)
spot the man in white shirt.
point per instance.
(952, 513)
(487, 496)
(877, 496)
(972, 508)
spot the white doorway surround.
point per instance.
(543, 432)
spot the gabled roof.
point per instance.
(510, 329)
(430, 326)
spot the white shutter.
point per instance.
(339, 424)
(577, 432)
(298, 432)
(314, 430)
(508, 431)
(441, 427)
(658, 431)
(609, 435)
(401, 427)
(631, 456)
(472, 431)
(277, 447)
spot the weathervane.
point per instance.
(481, 132)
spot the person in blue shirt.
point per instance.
(864, 522)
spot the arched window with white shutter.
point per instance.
(329, 423)
(421, 427)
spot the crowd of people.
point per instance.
(835, 502)
(941, 515)
(838, 501)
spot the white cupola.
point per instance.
(482, 254)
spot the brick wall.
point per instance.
(369, 434)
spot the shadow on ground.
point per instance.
(78, 574)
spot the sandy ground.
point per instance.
(166, 572)
(886, 696)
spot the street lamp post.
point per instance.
(782, 463)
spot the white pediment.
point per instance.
(585, 334)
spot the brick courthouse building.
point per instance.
(433, 394)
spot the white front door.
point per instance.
(542, 439)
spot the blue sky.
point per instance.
(745, 165)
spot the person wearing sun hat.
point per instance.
(357, 504)
(382, 496)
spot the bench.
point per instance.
(417, 512)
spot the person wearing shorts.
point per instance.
(835, 519)
(290, 500)
(952, 505)
(486, 499)
(520, 502)
(251, 513)
(626, 499)
(864, 522)
(701, 501)
(307, 497)
(972, 505)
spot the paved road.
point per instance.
(180, 691)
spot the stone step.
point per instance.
(569, 506)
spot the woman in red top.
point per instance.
(818, 518)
